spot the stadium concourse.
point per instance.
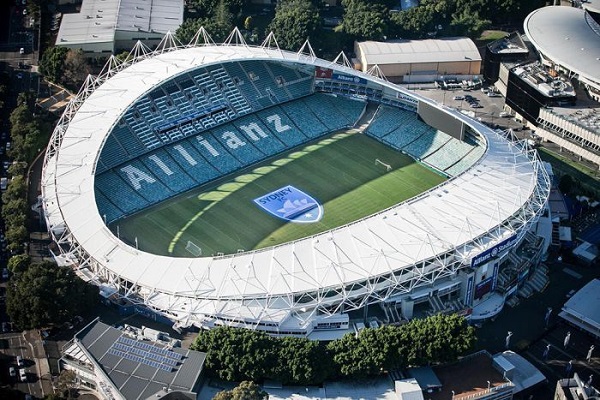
(149, 132)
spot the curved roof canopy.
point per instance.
(569, 37)
(468, 213)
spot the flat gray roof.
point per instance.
(582, 308)
(134, 379)
(420, 51)
(98, 20)
(159, 16)
(567, 36)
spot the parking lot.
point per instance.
(488, 109)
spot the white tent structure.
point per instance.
(286, 288)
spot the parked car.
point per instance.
(458, 97)
(12, 372)
(23, 375)
(20, 362)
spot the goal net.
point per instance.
(192, 248)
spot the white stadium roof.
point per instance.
(473, 206)
(420, 51)
(568, 36)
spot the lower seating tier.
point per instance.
(194, 160)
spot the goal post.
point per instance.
(193, 248)
(388, 167)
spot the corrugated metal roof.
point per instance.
(150, 15)
(99, 19)
(420, 51)
(134, 379)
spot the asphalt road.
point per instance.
(18, 346)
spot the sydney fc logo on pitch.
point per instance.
(291, 204)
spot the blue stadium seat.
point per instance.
(113, 153)
(191, 161)
(263, 81)
(224, 162)
(107, 209)
(168, 171)
(154, 191)
(113, 187)
(259, 135)
(130, 143)
(467, 161)
(448, 154)
(275, 118)
(387, 120)
(299, 112)
(237, 145)
(427, 143)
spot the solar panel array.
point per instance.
(145, 353)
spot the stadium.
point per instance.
(255, 187)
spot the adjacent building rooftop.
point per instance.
(98, 20)
(138, 369)
(551, 86)
(582, 308)
(511, 44)
(420, 51)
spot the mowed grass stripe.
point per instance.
(340, 172)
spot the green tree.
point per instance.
(248, 23)
(237, 354)
(14, 206)
(365, 20)
(294, 22)
(16, 236)
(417, 22)
(45, 293)
(16, 189)
(217, 20)
(67, 383)
(52, 63)
(20, 116)
(18, 263)
(206, 7)
(303, 362)
(246, 390)
(76, 69)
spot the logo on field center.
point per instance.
(291, 204)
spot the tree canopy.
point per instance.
(365, 20)
(218, 26)
(238, 354)
(294, 22)
(45, 293)
(64, 66)
(246, 390)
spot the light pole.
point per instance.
(547, 317)
(588, 358)
(507, 340)
(546, 352)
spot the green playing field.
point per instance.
(339, 171)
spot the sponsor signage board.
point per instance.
(493, 252)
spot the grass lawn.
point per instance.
(586, 178)
(339, 171)
(489, 36)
